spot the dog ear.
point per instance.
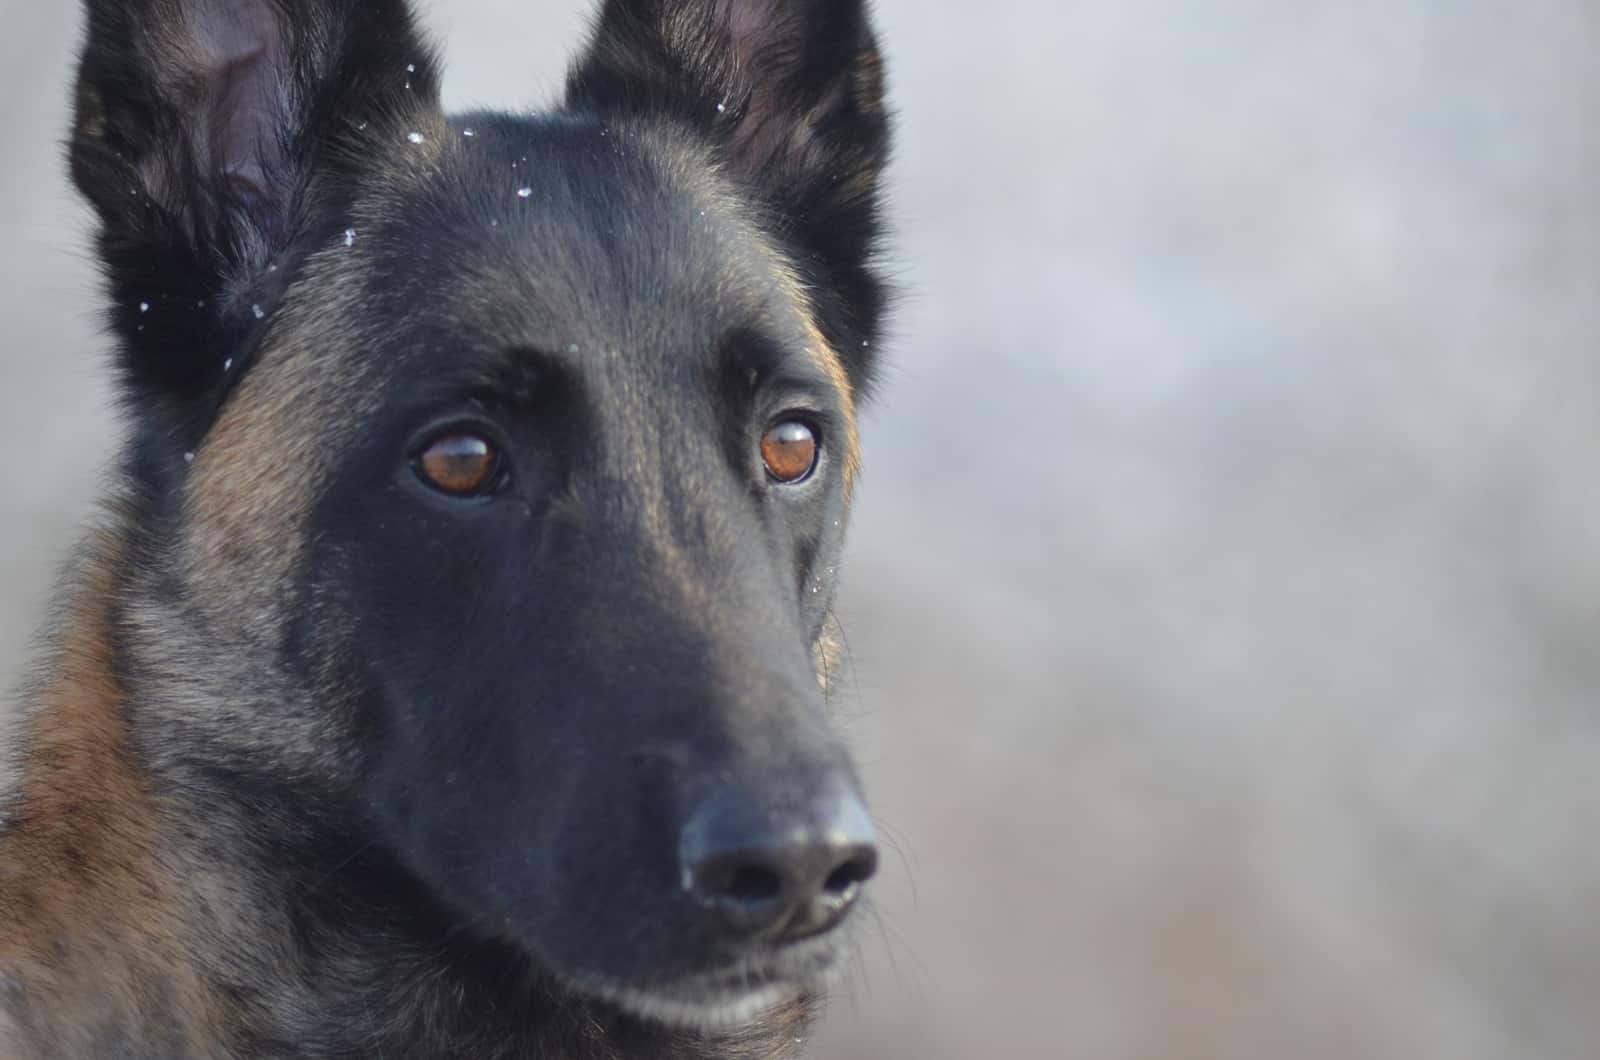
(791, 93)
(199, 125)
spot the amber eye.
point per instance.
(789, 450)
(462, 465)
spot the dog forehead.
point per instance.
(632, 264)
(559, 231)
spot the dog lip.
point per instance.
(798, 961)
(734, 993)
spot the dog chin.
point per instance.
(725, 999)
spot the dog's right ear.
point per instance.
(200, 127)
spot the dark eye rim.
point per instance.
(498, 477)
(807, 419)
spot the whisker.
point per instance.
(897, 842)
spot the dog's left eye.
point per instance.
(462, 465)
(789, 449)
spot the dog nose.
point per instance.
(778, 869)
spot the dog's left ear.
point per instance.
(791, 92)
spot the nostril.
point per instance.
(851, 875)
(752, 883)
(745, 895)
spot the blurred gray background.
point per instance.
(1225, 591)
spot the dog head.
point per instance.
(501, 462)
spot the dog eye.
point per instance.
(462, 465)
(789, 450)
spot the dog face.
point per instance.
(505, 459)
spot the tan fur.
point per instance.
(249, 493)
(827, 358)
(86, 912)
(827, 655)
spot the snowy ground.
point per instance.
(1225, 593)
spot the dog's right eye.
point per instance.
(460, 464)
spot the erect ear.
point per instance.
(200, 127)
(791, 93)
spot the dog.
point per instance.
(447, 673)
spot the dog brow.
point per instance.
(762, 357)
(519, 373)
